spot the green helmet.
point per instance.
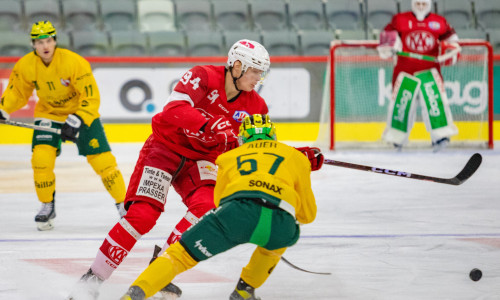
(42, 30)
(256, 127)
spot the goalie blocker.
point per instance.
(436, 112)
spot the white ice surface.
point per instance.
(381, 237)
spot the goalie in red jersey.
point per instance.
(423, 41)
(199, 121)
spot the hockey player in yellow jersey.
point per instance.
(263, 192)
(68, 100)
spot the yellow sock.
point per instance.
(104, 164)
(43, 161)
(261, 265)
(161, 272)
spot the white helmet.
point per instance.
(421, 13)
(250, 54)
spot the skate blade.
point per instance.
(44, 226)
(164, 296)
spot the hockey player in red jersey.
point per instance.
(199, 121)
(423, 33)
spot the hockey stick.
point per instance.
(470, 168)
(26, 125)
(303, 270)
(437, 59)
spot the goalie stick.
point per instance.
(303, 270)
(470, 168)
(437, 59)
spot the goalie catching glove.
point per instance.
(389, 44)
(70, 129)
(314, 155)
(223, 133)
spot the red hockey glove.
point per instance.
(223, 133)
(314, 155)
(449, 53)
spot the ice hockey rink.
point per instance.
(381, 237)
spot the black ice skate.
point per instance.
(121, 209)
(46, 215)
(170, 291)
(134, 293)
(441, 144)
(87, 288)
(243, 291)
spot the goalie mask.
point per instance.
(256, 127)
(421, 8)
(43, 30)
(250, 54)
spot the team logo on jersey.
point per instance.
(117, 254)
(434, 25)
(239, 115)
(247, 44)
(421, 41)
(65, 82)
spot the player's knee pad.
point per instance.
(43, 162)
(104, 164)
(261, 265)
(142, 216)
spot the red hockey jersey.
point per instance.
(422, 37)
(198, 96)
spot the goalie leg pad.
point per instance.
(104, 164)
(43, 162)
(260, 266)
(436, 111)
(402, 109)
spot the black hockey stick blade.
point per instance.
(303, 270)
(469, 169)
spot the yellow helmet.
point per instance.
(42, 30)
(256, 127)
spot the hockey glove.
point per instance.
(389, 44)
(314, 155)
(449, 53)
(70, 129)
(223, 133)
(4, 115)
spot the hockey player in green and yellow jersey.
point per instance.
(263, 192)
(68, 100)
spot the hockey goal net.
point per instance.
(358, 90)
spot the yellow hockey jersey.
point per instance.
(64, 87)
(269, 170)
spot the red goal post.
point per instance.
(360, 87)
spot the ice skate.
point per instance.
(44, 218)
(134, 293)
(120, 207)
(440, 144)
(87, 288)
(170, 291)
(243, 291)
